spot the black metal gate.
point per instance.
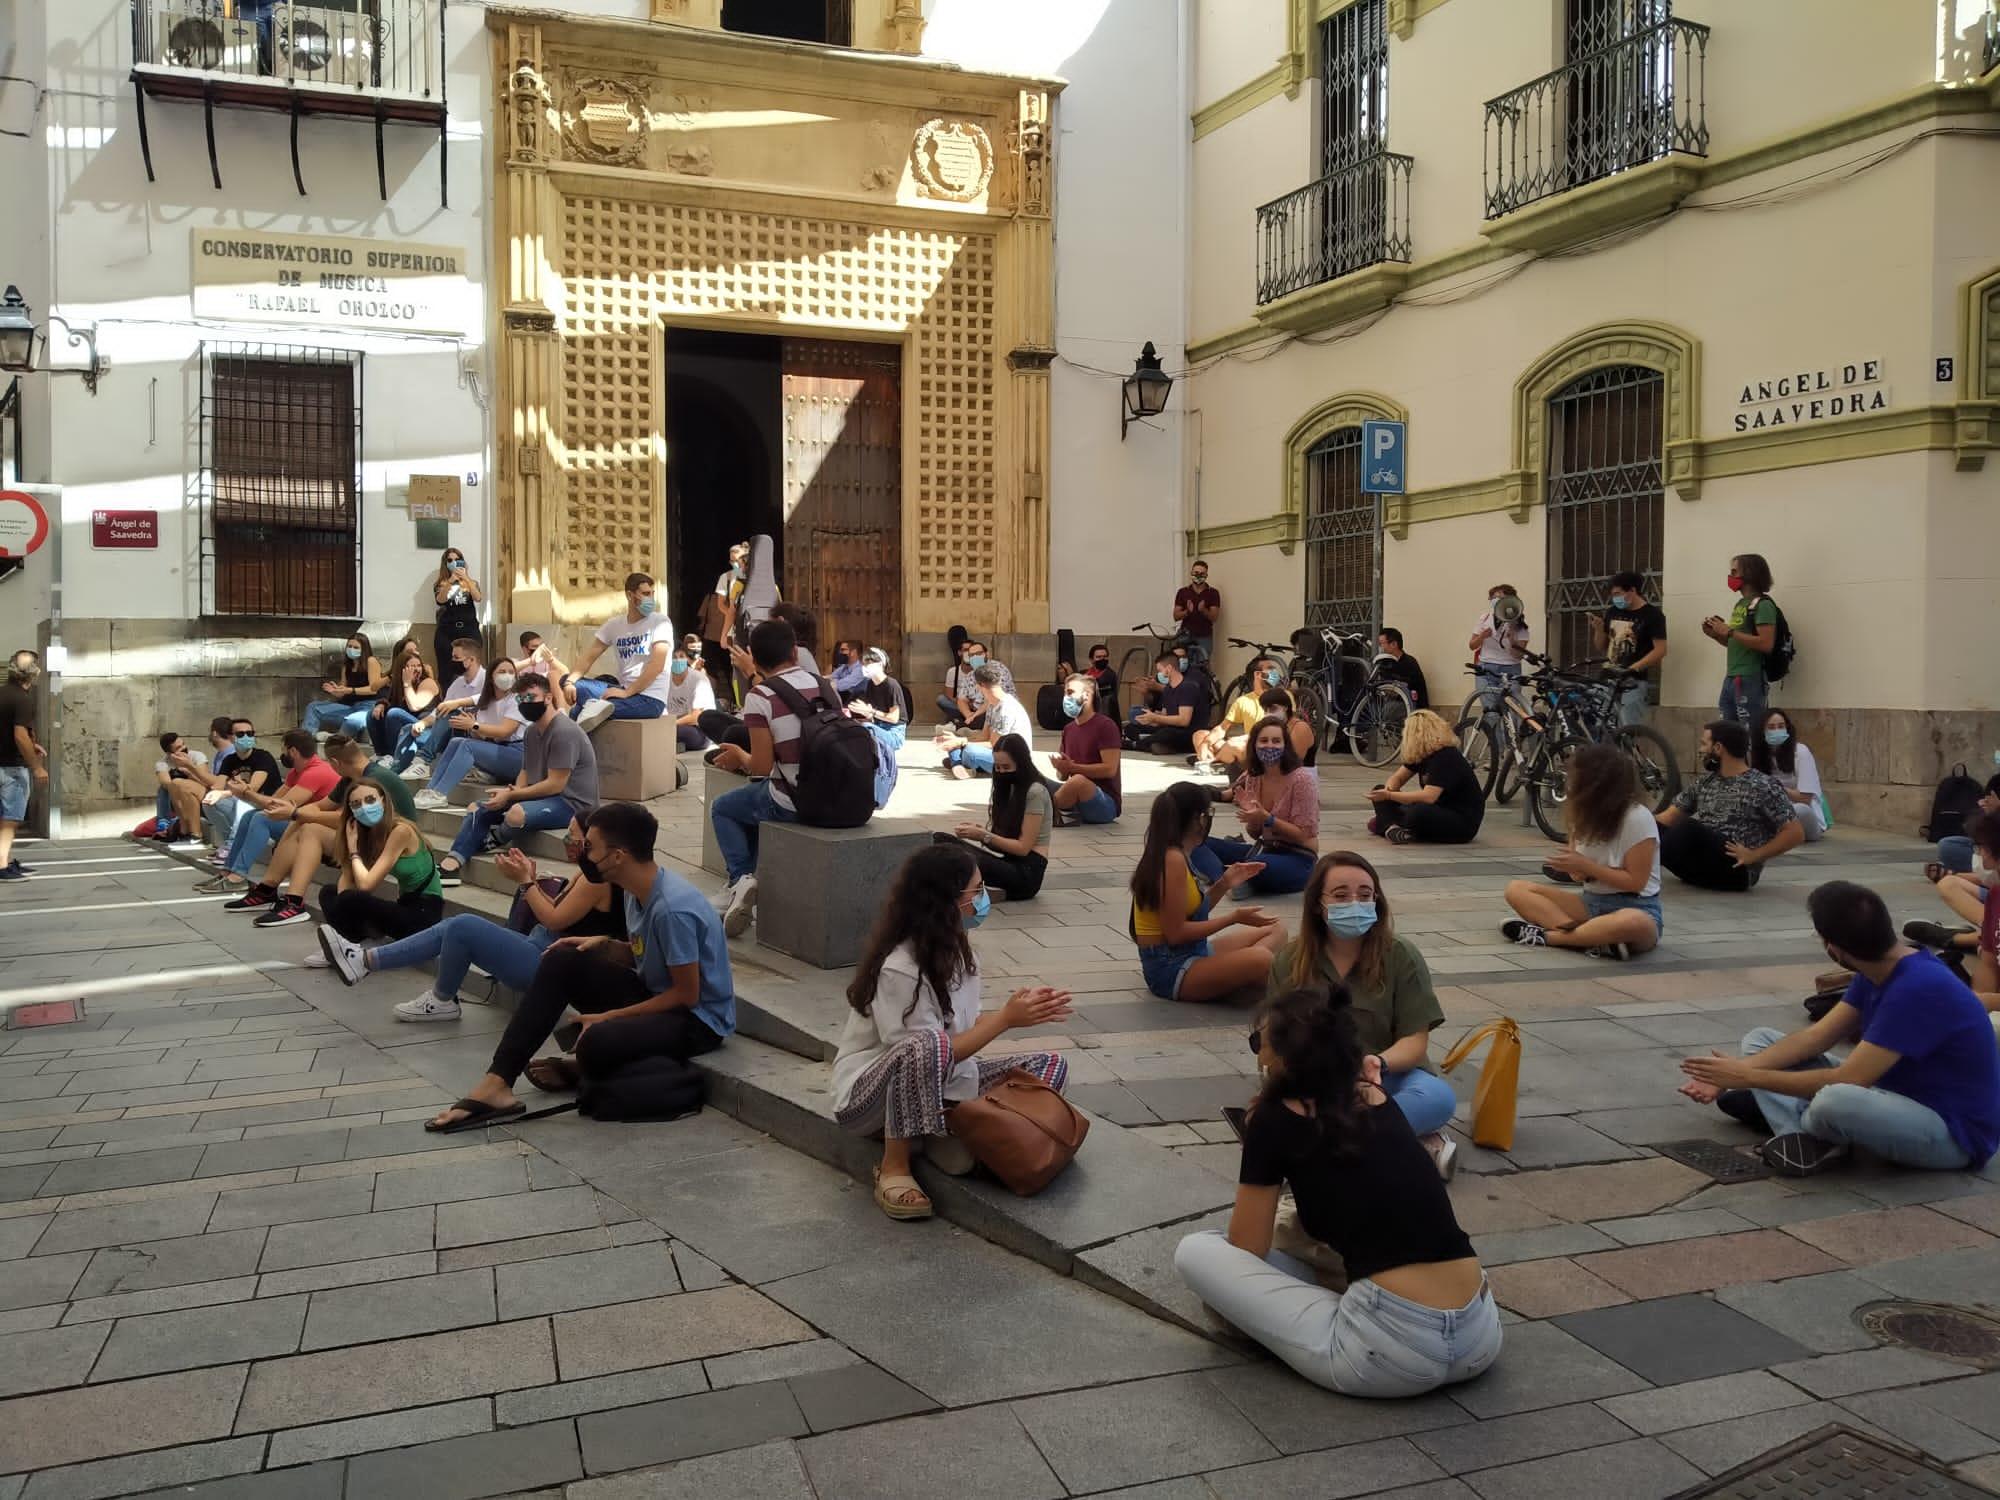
(1605, 497)
(1343, 537)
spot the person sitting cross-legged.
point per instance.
(1088, 759)
(1184, 707)
(1921, 1085)
(665, 992)
(1012, 846)
(1277, 804)
(1445, 805)
(1184, 953)
(1974, 897)
(308, 843)
(1721, 831)
(485, 738)
(1002, 714)
(1614, 849)
(557, 781)
(1226, 745)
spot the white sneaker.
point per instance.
(427, 1007)
(348, 960)
(593, 714)
(420, 770)
(742, 908)
(430, 801)
(316, 961)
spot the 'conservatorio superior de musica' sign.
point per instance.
(330, 281)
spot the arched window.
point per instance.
(1343, 535)
(1605, 495)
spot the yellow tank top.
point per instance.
(1146, 921)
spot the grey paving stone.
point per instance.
(246, 1115)
(693, 1325)
(1975, 1402)
(291, 1203)
(159, 1342)
(166, 1299)
(769, 1471)
(439, 1367)
(126, 1223)
(1719, 1446)
(238, 1088)
(31, 1086)
(1674, 1339)
(1111, 1101)
(1364, 1469)
(981, 1454)
(1833, 1375)
(258, 1065)
(1641, 1469)
(414, 1097)
(404, 1138)
(849, 1397)
(399, 1429)
(178, 1262)
(1298, 1417)
(1190, 1488)
(159, 1129)
(40, 1279)
(26, 1319)
(1816, 1312)
(90, 1422)
(1516, 1439)
(145, 1471)
(18, 1235)
(592, 1279)
(144, 1076)
(379, 1310)
(778, 1363)
(515, 1216)
(1192, 1098)
(1966, 1277)
(450, 1182)
(357, 1237)
(1914, 1417)
(1698, 1402)
(633, 1436)
(536, 1247)
(465, 1467)
(1559, 1141)
(574, 1397)
(1149, 1429)
(1539, 1244)
(348, 1273)
(1541, 1365)
(545, 1173)
(264, 1152)
(1659, 1229)
(172, 1093)
(46, 1358)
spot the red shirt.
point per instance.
(1085, 743)
(317, 776)
(1194, 622)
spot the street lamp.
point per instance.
(17, 340)
(1145, 390)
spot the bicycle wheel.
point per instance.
(1376, 729)
(1507, 738)
(1548, 788)
(1312, 708)
(1653, 758)
(1475, 743)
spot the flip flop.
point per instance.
(478, 1114)
(553, 1075)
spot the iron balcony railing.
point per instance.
(1354, 217)
(1637, 100)
(367, 46)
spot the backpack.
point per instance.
(1784, 649)
(1952, 805)
(648, 1088)
(836, 782)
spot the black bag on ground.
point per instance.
(836, 785)
(1048, 706)
(647, 1088)
(1952, 805)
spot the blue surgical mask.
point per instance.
(1350, 919)
(679, 668)
(1160, 678)
(975, 661)
(368, 814)
(737, 569)
(458, 565)
(354, 653)
(649, 606)
(1273, 677)
(1270, 754)
(1071, 706)
(1617, 601)
(981, 905)
(1776, 737)
(245, 743)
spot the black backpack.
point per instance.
(836, 785)
(1784, 649)
(647, 1088)
(1952, 805)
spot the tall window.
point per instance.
(1354, 67)
(281, 479)
(1343, 537)
(830, 21)
(1617, 99)
(1606, 496)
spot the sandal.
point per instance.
(553, 1075)
(478, 1114)
(1933, 872)
(893, 1196)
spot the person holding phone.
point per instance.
(1417, 1313)
(1185, 953)
(458, 597)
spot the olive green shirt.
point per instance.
(1403, 1004)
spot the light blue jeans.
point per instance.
(1494, 681)
(976, 757)
(1893, 1126)
(589, 690)
(345, 717)
(736, 816)
(221, 817)
(539, 813)
(457, 943)
(1954, 852)
(1363, 1342)
(1425, 1099)
(428, 743)
(501, 762)
(255, 833)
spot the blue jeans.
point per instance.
(1200, 648)
(1954, 852)
(540, 813)
(345, 717)
(255, 834)
(639, 706)
(736, 816)
(1425, 1099)
(428, 743)
(1743, 699)
(163, 808)
(383, 733)
(501, 762)
(1493, 681)
(976, 757)
(221, 819)
(1285, 870)
(1893, 1126)
(888, 740)
(457, 943)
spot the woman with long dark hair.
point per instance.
(1185, 953)
(1417, 1313)
(458, 598)
(1348, 941)
(1277, 803)
(410, 691)
(1779, 753)
(910, 1050)
(486, 738)
(378, 849)
(1614, 849)
(345, 707)
(1013, 847)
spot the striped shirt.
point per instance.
(765, 707)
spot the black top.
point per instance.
(1405, 669)
(1449, 770)
(17, 708)
(247, 766)
(1381, 1207)
(1630, 633)
(885, 695)
(1190, 692)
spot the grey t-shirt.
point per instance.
(557, 744)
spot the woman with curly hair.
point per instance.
(1446, 805)
(1614, 849)
(910, 1048)
(1417, 1313)
(1185, 953)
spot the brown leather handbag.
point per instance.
(1020, 1130)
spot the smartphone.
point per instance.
(567, 1033)
(1234, 1118)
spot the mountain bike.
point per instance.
(1341, 690)
(1137, 665)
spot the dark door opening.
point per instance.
(830, 21)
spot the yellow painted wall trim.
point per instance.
(1584, 213)
(1978, 370)
(1675, 353)
(1875, 434)
(1475, 497)
(1240, 337)
(1241, 100)
(1349, 409)
(1234, 536)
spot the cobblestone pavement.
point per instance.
(232, 1264)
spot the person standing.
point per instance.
(22, 761)
(1632, 634)
(1502, 645)
(716, 620)
(1196, 607)
(642, 640)
(458, 599)
(1748, 635)
(1088, 759)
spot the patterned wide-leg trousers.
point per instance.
(901, 1095)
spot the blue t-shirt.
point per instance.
(678, 926)
(1946, 1058)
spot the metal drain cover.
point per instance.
(1722, 1162)
(1832, 1463)
(1953, 1333)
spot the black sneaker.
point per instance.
(1800, 1155)
(255, 899)
(449, 878)
(1741, 1106)
(1512, 928)
(1618, 953)
(284, 913)
(1557, 877)
(1936, 934)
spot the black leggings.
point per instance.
(1694, 852)
(568, 977)
(361, 915)
(1428, 823)
(1016, 876)
(724, 728)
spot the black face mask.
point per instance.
(1099, 663)
(532, 709)
(1711, 763)
(840, 658)
(592, 871)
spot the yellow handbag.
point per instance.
(1495, 1095)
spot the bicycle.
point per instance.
(1339, 697)
(1241, 682)
(1137, 664)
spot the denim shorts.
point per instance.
(1165, 965)
(1597, 903)
(15, 784)
(1098, 809)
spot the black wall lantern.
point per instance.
(1145, 390)
(17, 341)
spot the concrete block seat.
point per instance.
(819, 889)
(637, 759)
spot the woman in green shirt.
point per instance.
(378, 848)
(1748, 634)
(1346, 938)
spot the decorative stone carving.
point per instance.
(1031, 141)
(952, 160)
(906, 27)
(691, 161)
(878, 179)
(531, 322)
(528, 100)
(608, 120)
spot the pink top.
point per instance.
(1297, 804)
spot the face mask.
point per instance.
(737, 569)
(354, 653)
(1275, 713)
(1617, 601)
(590, 869)
(503, 682)
(1099, 663)
(1160, 678)
(981, 905)
(840, 658)
(1200, 580)
(1270, 754)
(458, 565)
(1776, 737)
(1711, 763)
(1350, 919)
(1273, 677)
(874, 671)
(649, 606)
(368, 814)
(532, 709)
(1735, 582)
(680, 668)
(975, 661)
(1072, 707)
(245, 743)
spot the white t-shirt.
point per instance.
(462, 686)
(691, 692)
(1505, 645)
(1804, 777)
(632, 641)
(891, 1017)
(1636, 829)
(1009, 717)
(502, 710)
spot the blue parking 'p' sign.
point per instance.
(1384, 453)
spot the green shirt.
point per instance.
(1748, 661)
(1403, 1004)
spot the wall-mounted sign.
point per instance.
(124, 528)
(330, 281)
(1801, 396)
(24, 525)
(434, 497)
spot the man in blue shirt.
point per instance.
(664, 990)
(1921, 1086)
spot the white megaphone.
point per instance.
(1507, 610)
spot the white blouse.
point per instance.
(871, 1033)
